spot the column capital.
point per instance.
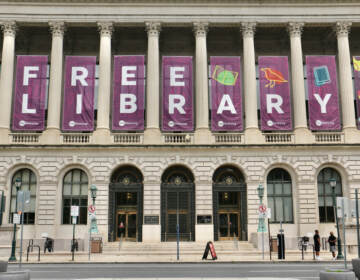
(295, 28)
(248, 29)
(9, 28)
(342, 28)
(105, 28)
(200, 29)
(57, 28)
(153, 28)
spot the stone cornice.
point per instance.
(324, 2)
(343, 28)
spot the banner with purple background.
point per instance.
(30, 93)
(356, 62)
(128, 94)
(177, 93)
(275, 102)
(226, 107)
(324, 110)
(79, 88)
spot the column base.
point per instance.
(151, 233)
(202, 136)
(303, 136)
(51, 136)
(4, 136)
(253, 135)
(101, 136)
(351, 135)
(152, 136)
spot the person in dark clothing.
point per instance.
(332, 242)
(317, 245)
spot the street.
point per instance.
(177, 270)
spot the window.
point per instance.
(326, 206)
(28, 183)
(75, 193)
(279, 195)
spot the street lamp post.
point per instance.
(93, 226)
(261, 226)
(13, 244)
(332, 182)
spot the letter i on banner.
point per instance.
(226, 107)
(323, 103)
(356, 62)
(30, 93)
(275, 104)
(177, 93)
(79, 91)
(129, 93)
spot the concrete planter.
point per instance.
(337, 274)
(15, 275)
(356, 267)
(3, 266)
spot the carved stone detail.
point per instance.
(57, 28)
(9, 28)
(105, 28)
(342, 28)
(153, 28)
(201, 29)
(248, 29)
(295, 28)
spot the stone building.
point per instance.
(209, 179)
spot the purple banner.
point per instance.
(129, 91)
(79, 87)
(30, 93)
(275, 103)
(356, 62)
(226, 107)
(177, 93)
(323, 93)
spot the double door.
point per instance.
(229, 225)
(126, 225)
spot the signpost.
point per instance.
(23, 198)
(93, 226)
(74, 215)
(262, 227)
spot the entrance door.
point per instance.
(229, 225)
(126, 225)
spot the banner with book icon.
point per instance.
(226, 99)
(275, 102)
(356, 62)
(30, 93)
(129, 93)
(79, 90)
(177, 93)
(323, 95)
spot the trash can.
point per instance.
(281, 246)
(274, 246)
(96, 245)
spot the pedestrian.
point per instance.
(332, 242)
(317, 245)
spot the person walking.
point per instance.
(317, 245)
(332, 242)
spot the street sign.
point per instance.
(268, 213)
(16, 218)
(23, 198)
(262, 209)
(74, 211)
(74, 218)
(347, 207)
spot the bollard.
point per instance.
(3, 266)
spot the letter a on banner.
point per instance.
(30, 93)
(275, 104)
(226, 108)
(323, 93)
(356, 62)
(79, 90)
(177, 90)
(129, 91)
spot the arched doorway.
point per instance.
(177, 204)
(126, 204)
(229, 204)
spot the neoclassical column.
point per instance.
(56, 72)
(250, 95)
(103, 108)
(152, 132)
(345, 76)
(7, 75)
(298, 86)
(201, 83)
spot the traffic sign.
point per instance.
(16, 218)
(262, 209)
(74, 211)
(91, 209)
